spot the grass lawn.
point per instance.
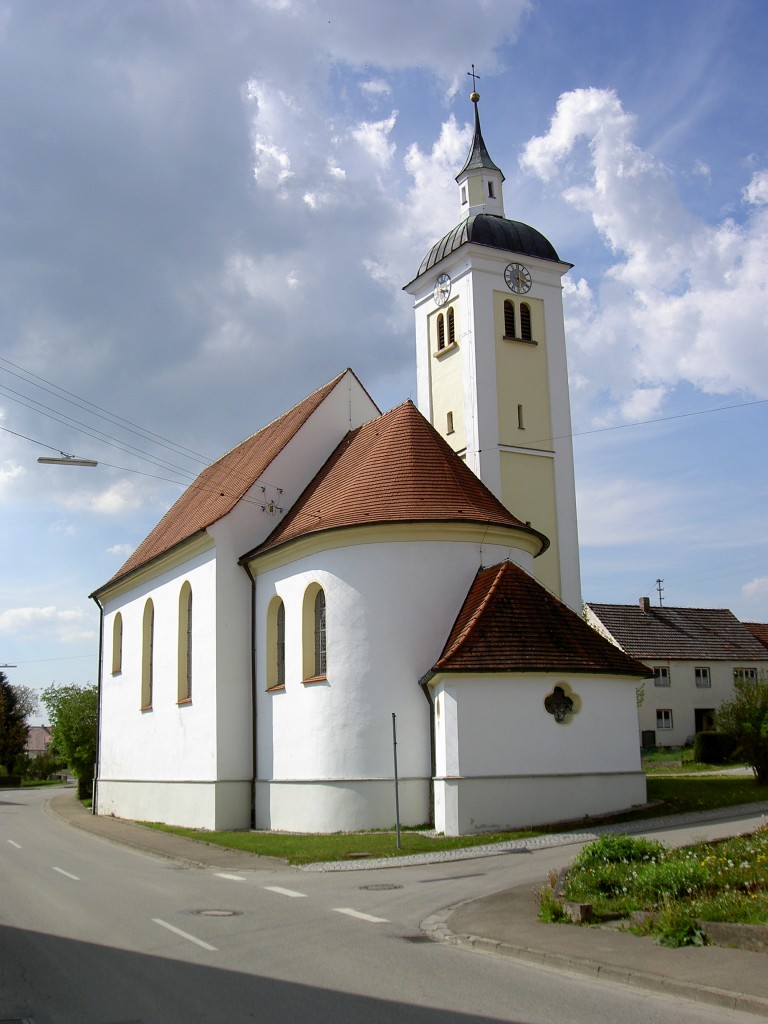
(662, 762)
(677, 796)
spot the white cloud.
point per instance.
(64, 624)
(376, 87)
(115, 500)
(373, 137)
(121, 550)
(683, 301)
(756, 591)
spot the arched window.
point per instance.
(184, 684)
(509, 319)
(525, 322)
(147, 641)
(275, 644)
(440, 332)
(117, 645)
(451, 327)
(314, 634)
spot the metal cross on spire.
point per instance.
(474, 77)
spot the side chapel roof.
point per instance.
(510, 623)
(687, 634)
(223, 483)
(396, 468)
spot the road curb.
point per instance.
(436, 928)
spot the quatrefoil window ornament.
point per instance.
(561, 705)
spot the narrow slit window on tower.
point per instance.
(520, 420)
(525, 322)
(449, 423)
(491, 193)
(440, 332)
(463, 195)
(451, 327)
(509, 319)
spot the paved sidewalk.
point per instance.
(505, 923)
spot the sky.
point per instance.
(209, 208)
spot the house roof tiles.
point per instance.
(687, 634)
(396, 468)
(509, 622)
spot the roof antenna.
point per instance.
(660, 589)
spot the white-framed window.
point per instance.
(663, 718)
(661, 676)
(745, 675)
(701, 674)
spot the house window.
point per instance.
(117, 645)
(440, 332)
(451, 327)
(663, 718)
(509, 319)
(702, 677)
(525, 322)
(661, 676)
(184, 660)
(745, 675)
(314, 634)
(449, 423)
(147, 655)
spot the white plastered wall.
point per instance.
(325, 753)
(507, 763)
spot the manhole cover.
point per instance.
(218, 913)
(382, 887)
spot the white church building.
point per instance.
(342, 566)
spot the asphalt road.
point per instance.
(94, 933)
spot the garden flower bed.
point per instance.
(671, 894)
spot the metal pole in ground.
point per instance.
(397, 795)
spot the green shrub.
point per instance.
(713, 747)
(618, 849)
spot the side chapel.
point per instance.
(343, 565)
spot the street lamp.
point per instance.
(66, 460)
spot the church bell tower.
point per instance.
(491, 362)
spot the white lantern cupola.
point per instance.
(480, 180)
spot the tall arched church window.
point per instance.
(440, 332)
(147, 655)
(525, 322)
(117, 645)
(184, 683)
(451, 327)
(509, 318)
(276, 644)
(320, 650)
(314, 634)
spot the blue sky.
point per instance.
(210, 210)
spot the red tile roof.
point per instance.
(759, 630)
(687, 634)
(397, 468)
(510, 623)
(221, 485)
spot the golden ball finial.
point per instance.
(475, 96)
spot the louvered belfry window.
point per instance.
(451, 327)
(440, 332)
(509, 319)
(525, 322)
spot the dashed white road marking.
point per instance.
(360, 916)
(231, 878)
(17, 845)
(184, 935)
(67, 874)
(285, 892)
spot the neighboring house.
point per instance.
(343, 566)
(695, 655)
(38, 740)
(759, 630)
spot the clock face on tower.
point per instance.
(442, 290)
(518, 277)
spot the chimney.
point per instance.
(645, 604)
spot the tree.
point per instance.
(13, 729)
(73, 711)
(27, 700)
(745, 717)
